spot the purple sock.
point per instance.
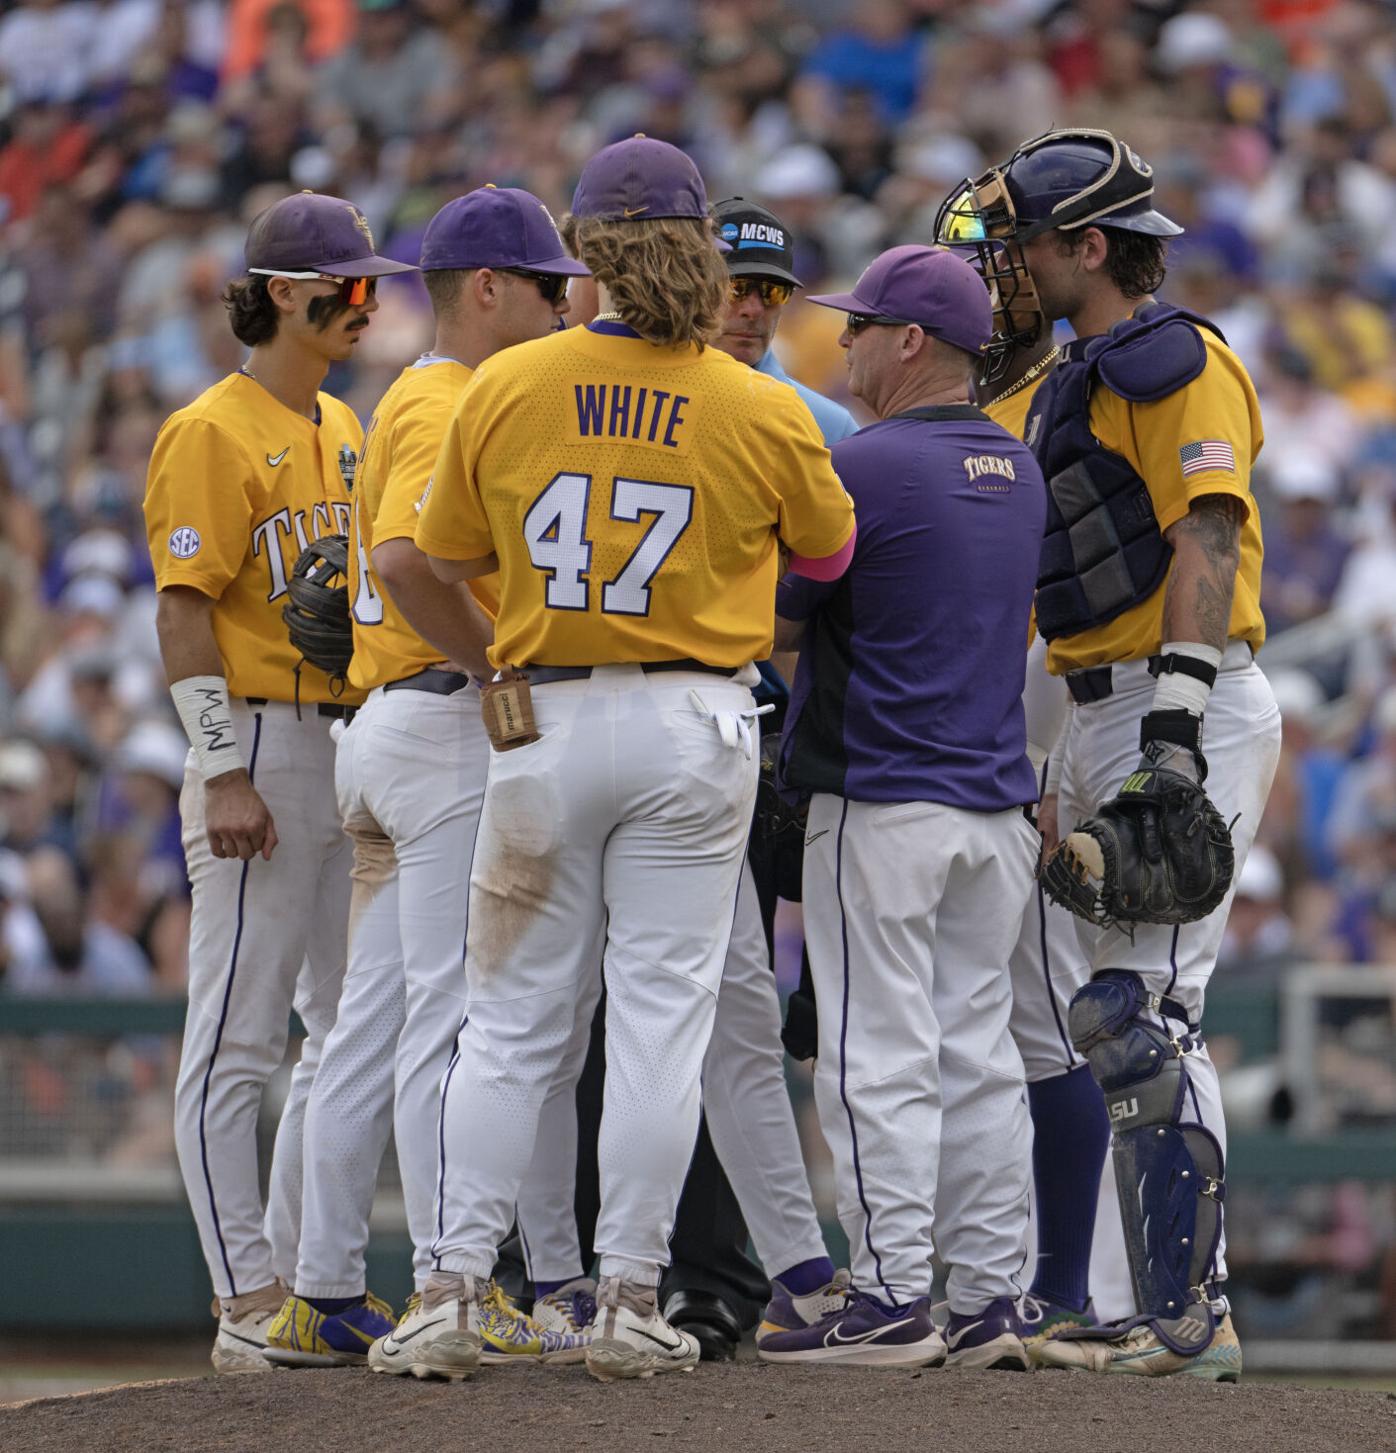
(333, 1306)
(543, 1289)
(807, 1276)
(1070, 1138)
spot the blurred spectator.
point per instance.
(27, 819)
(393, 76)
(1259, 939)
(74, 955)
(1304, 554)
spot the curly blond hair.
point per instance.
(666, 277)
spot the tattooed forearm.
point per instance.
(1207, 549)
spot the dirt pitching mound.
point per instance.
(719, 1409)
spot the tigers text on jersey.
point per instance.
(403, 439)
(633, 495)
(238, 486)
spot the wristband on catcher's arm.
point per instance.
(1162, 733)
(202, 704)
(1186, 672)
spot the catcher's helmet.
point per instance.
(1061, 180)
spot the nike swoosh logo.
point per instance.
(659, 1341)
(815, 836)
(635, 212)
(275, 459)
(835, 1338)
(956, 1338)
(392, 1342)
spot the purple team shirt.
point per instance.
(910, 682)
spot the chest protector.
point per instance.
(1103, 551)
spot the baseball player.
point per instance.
(631, 484)
(707, 1290)
(240, 482)
(1148, 598)
(411, 778)
(906, 727)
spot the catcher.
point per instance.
(1149, 598)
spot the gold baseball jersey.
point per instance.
(238, 486)
(634, 496)
(1012, 413)
(1201, 440)
(404, 437)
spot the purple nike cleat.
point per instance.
(862, 1333)
(990, 1340)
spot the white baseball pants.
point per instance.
(411, 775)
(265, 937)
(632, 812)
(1241, 741)
(911, 911)
(750, 1118)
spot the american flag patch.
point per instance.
(1207, 454)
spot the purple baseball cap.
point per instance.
(924, 285)
(640, 179)
(312, 233)
(497, 227)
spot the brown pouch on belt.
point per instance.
(507, 707)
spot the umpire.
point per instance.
(906, 732)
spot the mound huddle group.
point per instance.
(481, 707)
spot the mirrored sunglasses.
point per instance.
(354, 292)
(773, 294)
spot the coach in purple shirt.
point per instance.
(906, 732)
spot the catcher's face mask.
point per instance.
(980, 215)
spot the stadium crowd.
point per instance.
(138, 138)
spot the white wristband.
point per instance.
(202, 704)
(1177, 689)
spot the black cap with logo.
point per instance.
(761, 243)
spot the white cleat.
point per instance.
(631, 1339)
(243, 1323)
(438, 1336)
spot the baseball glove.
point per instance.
(1159, 852)
(317, 612)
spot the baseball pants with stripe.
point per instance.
(265, 937)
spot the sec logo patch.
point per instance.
(184, 542)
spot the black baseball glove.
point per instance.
(317, 611)
(1157, 852)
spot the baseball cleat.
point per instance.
(707, 1319)
(631, 1339)
(989, 1340)
(508, 1336)
(569, 1311)
(439, 1337)
(1138, 1352)
(302, 1336)
(243, 1323)
(862, 1332)
(1043, 1319)
(786, 1312)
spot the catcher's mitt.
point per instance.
(317, 612)
(1159, 852)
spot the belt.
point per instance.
(434, 679)
(331, 709)
(1096, 683)
(542, 675)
